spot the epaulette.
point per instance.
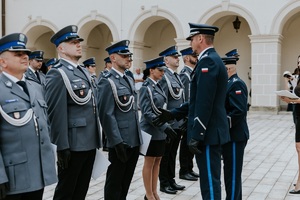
(205, 55)
(183, 70)
(235, 79)
(145, 83)
(57, 65)
(106, 75)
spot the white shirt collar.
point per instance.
(189, 67)
(12, 78)
(171, 70)
(200, 55)
(120, 74)
(31, 69)
(71, 63)
(155, 82)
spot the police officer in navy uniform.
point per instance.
(90, 65)
(35, 63)
(153, 97)
(233, 151)
(107, 67)
(207, 120)
(174, 90)
(74, 118)
(50, 63)
(120, 122)
(27, 162)
(185, 156)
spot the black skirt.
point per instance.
(156, 148)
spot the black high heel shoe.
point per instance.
(145, 197)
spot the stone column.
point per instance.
(265, 70)
(137, 49)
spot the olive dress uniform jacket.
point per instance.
(27, 161)
(159, 98)
(207, 120)
(236, 107)
(118, 125)
(75, 127)
(31, 76)
(176, 86)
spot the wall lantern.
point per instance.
(236, 24)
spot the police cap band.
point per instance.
(14, 42)
(66, 34)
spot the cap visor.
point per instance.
(127, 53)
(162, 67)
(25, 50)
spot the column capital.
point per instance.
(266, 38)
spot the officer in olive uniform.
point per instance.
(207, 121)
(27, 162)
(185, 156)
(74, 118)
(174, 90)
(35, 63)
(233, 151)
(120, 122)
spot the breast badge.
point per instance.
(17, 115)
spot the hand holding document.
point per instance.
(286, 93)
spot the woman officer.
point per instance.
(153, 97)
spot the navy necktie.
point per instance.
(37, 75)
(23, 85)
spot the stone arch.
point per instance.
(43, 26)
(96, 18)
(226, 8)
(147, 18)
(138, 32)
(283, 16)
(98, 33)
(39, 32)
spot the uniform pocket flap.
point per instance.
(14, 107)
(124, 92)
(16, 158)
(42, 103)
(123, 124)
(79, 122)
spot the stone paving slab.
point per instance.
(270, 165)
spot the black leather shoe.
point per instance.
(194, 174)
(168, 190)
(175, 186)
(294, 192)
(188, 177)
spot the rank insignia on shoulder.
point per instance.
(70, 67)
(235, 79)
(238, 92)
(145, 83)
(204, 70)
(57, 65)
(107, 74)
(205, 55)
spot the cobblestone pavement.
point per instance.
(270, 165)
